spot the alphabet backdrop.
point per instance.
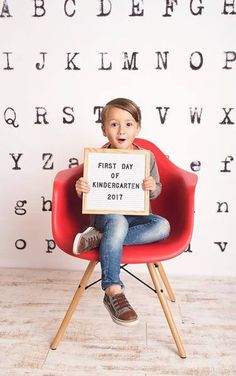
(61, 61)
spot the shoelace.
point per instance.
(92, 242)
(119, 301)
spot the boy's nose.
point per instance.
(122, 130)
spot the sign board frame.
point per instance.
(138, 158)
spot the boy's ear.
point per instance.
(103, 131)
(138, 130)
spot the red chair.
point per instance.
(176, 203)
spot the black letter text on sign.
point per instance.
(115, 178)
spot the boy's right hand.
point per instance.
(81, 186)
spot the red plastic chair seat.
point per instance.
(176, 203)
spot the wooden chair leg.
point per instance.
(166, 310)
(73, 304)
(165, 281)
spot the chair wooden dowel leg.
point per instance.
(73, 304)
(166, 310)
(166, 282)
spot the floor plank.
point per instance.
(33, 303)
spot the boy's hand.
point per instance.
(81, 186)
(149, 184)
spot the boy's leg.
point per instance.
(146, 229)
(114, 228)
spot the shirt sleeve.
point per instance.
(155, 174)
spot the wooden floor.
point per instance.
(33, 303)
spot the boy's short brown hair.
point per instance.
(123, 104)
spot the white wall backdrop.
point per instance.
(62, 60)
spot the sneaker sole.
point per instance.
(121, 322)
(77, 240)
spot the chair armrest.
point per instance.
(190, 179)
(67, 220)
(186, 183)
(176, 202)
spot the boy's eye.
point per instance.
(129, 124)
(113, 125)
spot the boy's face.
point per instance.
(120, 128)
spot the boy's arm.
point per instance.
(155, 174)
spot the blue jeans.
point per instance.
(119, 230)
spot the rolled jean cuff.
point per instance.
(105, 285)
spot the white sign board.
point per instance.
(115, 178)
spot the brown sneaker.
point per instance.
(120, 310)
(86, 240)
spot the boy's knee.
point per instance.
(117, 221)
(166, 227)
(163, 226)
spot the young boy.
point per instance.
(121, 123)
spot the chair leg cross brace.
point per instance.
(138, 279)
(166, 310)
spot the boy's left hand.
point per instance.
(149, 184)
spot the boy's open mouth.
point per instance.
(121, 139)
